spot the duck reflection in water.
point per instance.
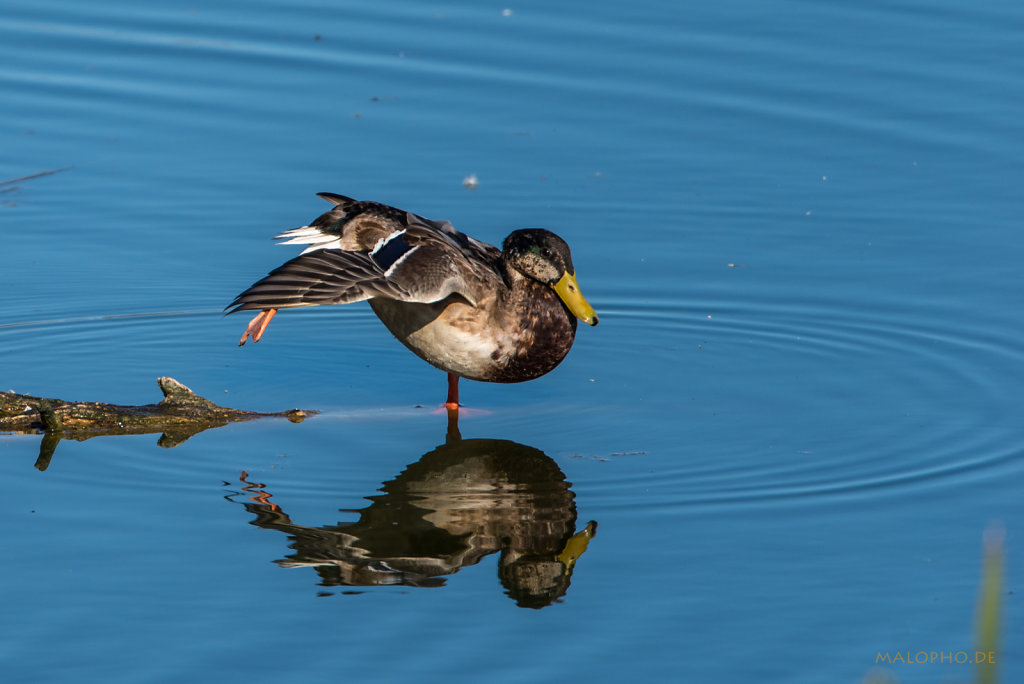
(464, 500)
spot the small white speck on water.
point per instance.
(470, 181)
(506, 12)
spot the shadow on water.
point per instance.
(460, 502)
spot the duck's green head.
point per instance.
(543, 256)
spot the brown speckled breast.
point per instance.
(517, 338)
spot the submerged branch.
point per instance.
(34, 175)
(180, 415)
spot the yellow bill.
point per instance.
(576, 545)
(569, 291)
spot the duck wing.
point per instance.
(359, 250)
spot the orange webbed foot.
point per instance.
(257, 326)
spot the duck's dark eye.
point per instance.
(547, 253)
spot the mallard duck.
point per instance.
(460, 304)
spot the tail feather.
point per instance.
(335, 198)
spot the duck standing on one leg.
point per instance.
(458, 303)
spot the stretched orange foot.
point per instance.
(261, 495)
(257, 326)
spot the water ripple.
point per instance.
(802, 399)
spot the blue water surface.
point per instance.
(799, 223)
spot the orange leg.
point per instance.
(453, 408)
(453, 392)
(257, 326)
